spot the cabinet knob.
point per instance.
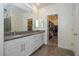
(75, 34)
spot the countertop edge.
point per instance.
(5, 40)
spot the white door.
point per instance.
(76, 42)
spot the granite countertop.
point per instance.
(8, 36)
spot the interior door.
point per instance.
(76, 29)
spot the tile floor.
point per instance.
(52, 50)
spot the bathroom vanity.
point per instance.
(19, 37)
(23, 43)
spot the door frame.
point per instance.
(48, 28)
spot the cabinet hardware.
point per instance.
(75, 34)
(22, 47)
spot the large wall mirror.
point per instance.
(15, 18)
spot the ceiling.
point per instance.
(28, 6)
(44, 4)
(40, 4)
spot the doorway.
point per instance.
(30, 24)
(53, 30)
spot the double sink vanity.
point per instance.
(22, 43)
(22, 36)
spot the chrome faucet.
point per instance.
(14, 33)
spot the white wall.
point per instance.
(1, 29)
(65, 20)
